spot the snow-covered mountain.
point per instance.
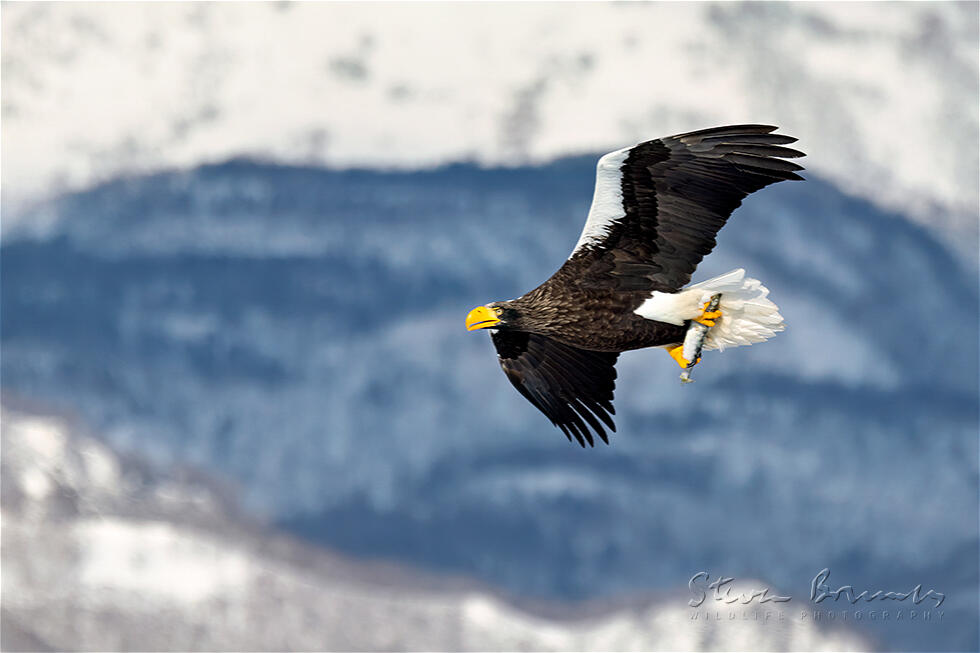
(884, 96)
(299, 332)
(102, 552)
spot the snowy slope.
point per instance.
(104, 553)
(882, 96)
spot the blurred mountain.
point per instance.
(884, 97)
(298, 332)
(102, 552)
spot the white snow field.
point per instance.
(883, 96)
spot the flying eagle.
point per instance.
(656, 210)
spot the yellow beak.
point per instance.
(481, 317)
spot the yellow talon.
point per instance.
(677, 353)
(707, 318)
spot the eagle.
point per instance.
(656, 210)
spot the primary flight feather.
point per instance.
(656, 210)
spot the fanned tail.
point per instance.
(747, 314)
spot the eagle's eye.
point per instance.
(499, 311)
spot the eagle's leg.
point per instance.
(707, 318)
(677, 353)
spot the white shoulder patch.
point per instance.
(607, 202)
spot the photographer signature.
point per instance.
(819, 590)
(727, 597)
(721, 589)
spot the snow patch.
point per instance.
(41, 436)
(156, 560)
(35, 484)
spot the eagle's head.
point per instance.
(496, 315)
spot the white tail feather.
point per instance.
(747, 314)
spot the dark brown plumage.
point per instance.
(658, 208)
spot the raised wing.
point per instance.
(572, 387)
(658, 205)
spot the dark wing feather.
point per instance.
(572, 387)
(674, 195)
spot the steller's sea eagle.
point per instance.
(656, 210)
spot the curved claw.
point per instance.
(707, 318)
(677, 353)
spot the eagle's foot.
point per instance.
(707, 318)
(677, 353)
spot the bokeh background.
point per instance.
(240, 410)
